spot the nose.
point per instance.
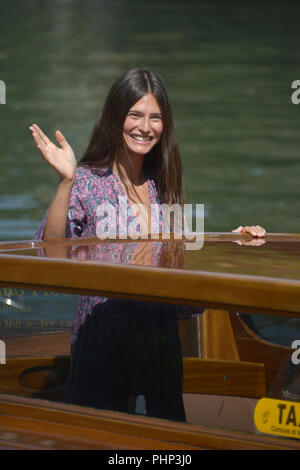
(144, 125)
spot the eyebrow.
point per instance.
(140, 112)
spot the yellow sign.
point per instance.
(278, 417)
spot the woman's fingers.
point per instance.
(60, 157)
(40, 142)
(260, 231)
(47, 149)
(254, 230)
(238, 230)
(61, 140)
(41, 134)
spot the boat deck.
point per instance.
(237, 346)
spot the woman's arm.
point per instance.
(63, 161)
(58, 212)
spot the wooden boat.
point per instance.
(227, 365)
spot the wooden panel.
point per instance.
(28, 423)
(224, 291)
(219, 290)
(58, 343)
(38, 376)
(250, 349)
(48, 344)
(199, 376)
(255, 349)
(244, 379)
(190, 336)
(46, 435)
(217, 339)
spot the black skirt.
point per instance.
(126, 349)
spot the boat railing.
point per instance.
(232, 294)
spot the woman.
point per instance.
(132, 153)
(134, 139)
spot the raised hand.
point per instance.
(62, 159)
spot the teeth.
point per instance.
(142, 139)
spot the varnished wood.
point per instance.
(208, 237)
(224, 377)
(250, 349)
(59, 343)
(35, 376)
(35, 423)
(273, 289)
(206, 281)
(255, 349)
(190, 337)
(217, 338)
(13, 379)
(224, 291)
(45, 344)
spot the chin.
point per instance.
(139, 149)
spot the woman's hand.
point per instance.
(254, 230)
(62, 160)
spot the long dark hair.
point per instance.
(163, 161)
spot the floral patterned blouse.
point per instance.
(93, 188)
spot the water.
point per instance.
(228, 67)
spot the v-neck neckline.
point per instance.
(122, 192)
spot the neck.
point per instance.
(131, 169)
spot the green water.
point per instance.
(228, 67)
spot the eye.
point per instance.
(133, 115)
(156, 118)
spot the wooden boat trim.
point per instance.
(214, 290)
(208, 236)
(99, 429)
(210, 289)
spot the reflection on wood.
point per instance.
(217, 339)
(42, 344)
(190, 336)
(239, 343)
(35, 376)
(237, 288)
(225, 359)
(221, 377)
(255, 349)
(46, 377)
(34, 424)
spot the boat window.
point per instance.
(177, 362)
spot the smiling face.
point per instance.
(143, 125)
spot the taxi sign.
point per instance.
(278, 417)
